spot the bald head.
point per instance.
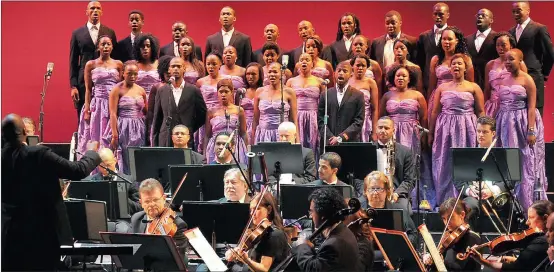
(94, 12)
(271, 33)
(441, 13)
(305, 30)
(287, 132)
(13, 129)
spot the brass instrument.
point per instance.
(391, 150)
(489, 208)
(424, 205)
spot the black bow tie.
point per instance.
(381, 146)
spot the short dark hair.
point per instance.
(393, 13)
(153, 44)
(360, 56)
(318, 43)
(136, 11)
(225, 133)
(102, 37)
(412, 73)
(327, 202)
(149, 185)
(271, 46)
(225, 82)
(447, 206)
(487, 120)
(511, 38)
(260, 82)
(129, 63)
(332, 158)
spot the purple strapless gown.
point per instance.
(210, 98)
(103, 82)
(247, 105)
(238, 82)
(491, 105)
(367, 127)
(511, 123)
(191, 77)
(147, 79)
(443, 76)
(131, 127)
(455, 127)
(369, 73)
(320, 72)
(219, 124)
(270, 115)
(308, 100)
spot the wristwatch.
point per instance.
(339, 139)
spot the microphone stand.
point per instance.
(248, 182)
(283, 76)
(227, 119)
(325, 117)
(277, 174)
(41, 114)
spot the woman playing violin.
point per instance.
(534, 252)
(273, 245)
(459, 233)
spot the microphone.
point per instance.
(284, 61)
(226, 144)
(326, 81)
(241, 91)
(227, 115)
(538, 190)
(171, 80)
(489, 150)
(422, 129)
(49, 69)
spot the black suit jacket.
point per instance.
(138, 225)
(319, 182)
(168, 50)
(81, 50)
(481, 58)
(31, 197)
(294, 56)
(132, 190)
(426, 49)
(240, 41)
(190, 112)
(338, 49)
(378, 47)
(247, 199)
(530, 256)
(339, 252)
(404, 172)
(346, 118)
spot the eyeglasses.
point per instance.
(375, 190)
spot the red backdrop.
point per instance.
(34, 33)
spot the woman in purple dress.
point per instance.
(127, 109)
(495, 71)
(230, 70)
(457, 105)
(360, 45)
(101, 75)
(322, 68)
(268, 107)
(208, 87)
(270, 54)
(146, 54)
(308, 89)
(194, 68)
(368, 87)
(401, 55)
(520, 126)
(163, 72)
(253, 79)
(227, 117)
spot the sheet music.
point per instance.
(204, 249)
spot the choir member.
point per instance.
(534, 41)
(194, 68)
(360, 45)
(308, 89)
(271, 104)
(245, 99)
(146, 54)
(456, 106)
(481, 46)
(127, 109)
(321, 68)
(181, 102)
(401, 56)
(235, 188)
(348, 28)
(305, 30)
(520, 126)
(287, 133)
(222, 154)
(163, 73)
(495, 70)
(101, 75)
(272, 53)
(82, 48)
(429, 42)
(345, 109)
(360, 63)
(29, 126)
(178, 30)
(382, 48)
(329, 165)
(180, 136)
(126, 47)
(228, 117)
(271, 34)
(231, 70)
(230, 36)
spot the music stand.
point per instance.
(397, 249)
(389, 219)
(114, 193)
(203, 183)
(294, 198)
(32, 140)
(288, 155)
(61, 149)
(153, 252)
(87, 219)
(152, 162)
(223, 222)
(466, 161)
(358, 160)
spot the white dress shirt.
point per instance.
(438, 33)
(340, 92)
(93, 31)
(480, 38)
(388, 51)
(133, 39)
(382, 158)
(177, 92)
(334, 182)
(176, 49)
(521, 27)
(227, 36)
(348, 42)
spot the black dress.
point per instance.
(274, 244)
(452, 263)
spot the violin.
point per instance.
(164, 224)
(505, 243)
(254, 236)
(453, 237)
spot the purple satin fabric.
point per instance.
(219, 124)
(270, 115)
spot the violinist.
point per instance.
(533, 252)
(464, 237)
(358, 223)
(272, 247)
(153, 201)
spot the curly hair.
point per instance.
(356, 29)
(163, 65)
(260, 81)
(327, 202)
(271, 46)
(193, 58)
(139, 43)
(461, 47)
(511, 38)
(360, 56)
(412, 73)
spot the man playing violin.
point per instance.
(459, 233)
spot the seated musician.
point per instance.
(533, 252)
(550, 239)
(226, 157)
(180, 136)
(468, 239)
(329, 164)
(235, 188)
(359, 224)
(273, 246)
(376, 194)
(154, 203)
(339, 251)
(287, 133)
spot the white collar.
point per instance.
(486, 32)
(241, 200)
(89, 25)
(387, 37)
(133, 36)
(178, 88)
(442, 28)
(334, 182)
(381, 143)
(525, 23)
(347, 39)
(230, 31)
(343, 89)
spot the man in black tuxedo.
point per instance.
(33, 211)
(305, 30)
(534, 41)
(82, 48)
(235, 187)
(228, 35)
(382, 48)
(180, 136)
(287, 133)
(404, 171)
(349, 27)
(329, 165)
(339, 251)
(345, 108)
(481, 45)
(271, 34)
(178, 30)
(178, 103)
(428, 43)
(126, 47)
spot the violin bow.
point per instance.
(178, 188)
(451, 213)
